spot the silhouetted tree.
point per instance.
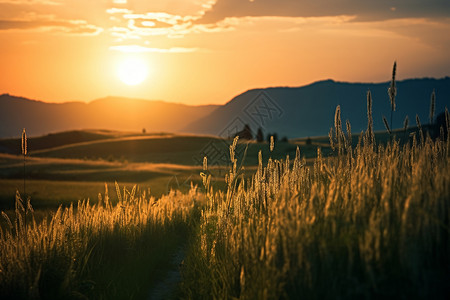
(308, 141)
(246, 133)
(284, 139)
(143, 131)
(259, 136)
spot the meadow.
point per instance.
(66, 167)
(348, 218)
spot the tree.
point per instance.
(246, 133)
(259, 135)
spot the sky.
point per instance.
(208, 51)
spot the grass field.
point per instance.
(75, 165)
(63, 168)
(366, 219)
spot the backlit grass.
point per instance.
(103, 251)
(372, 222)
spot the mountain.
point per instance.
(288, 111)
(309, 110)
(112, 113)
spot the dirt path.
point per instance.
(168, 285)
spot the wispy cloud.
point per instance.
(65, 26)
(30, 2)
(115, 10)
(362, 10)
(141, 49)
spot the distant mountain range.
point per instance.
(113, 113)
(309, 110)
(287, 111)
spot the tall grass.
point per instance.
(101, 251)
(372, 222)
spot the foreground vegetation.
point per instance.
(372, 222)
(102, 251)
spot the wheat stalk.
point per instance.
(349, 133)
(338, 127)
(405, 125)
(392, 91)
(432, 106)
(24, 154)
(386, 125)
(369, 132)
(419, 125)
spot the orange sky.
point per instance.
(206, 51)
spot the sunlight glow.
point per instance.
(132, 71)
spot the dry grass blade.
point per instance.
(386, 124)
(392, 91)
(432, 106)
(405, 124)
(369, 132)
(24, 142)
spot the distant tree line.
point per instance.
(247, 134)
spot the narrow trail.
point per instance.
(168, 285)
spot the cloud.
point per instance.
(174, 7)
(362, 10)
(55, 16)
(71, 26)
(131, 25)
(30, 2)
(116, 10)
(141, 49)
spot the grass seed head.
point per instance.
(405, 124)
(24, 143)
(386, 124)
(432, 106)
(205, 163)
(392, 91)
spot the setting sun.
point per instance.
(132, 71)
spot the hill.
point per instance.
(288, 111)
(309, 110)
(111, 113)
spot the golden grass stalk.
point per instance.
(432, 106)
(421, 134)
(392, 91)
(386, 124)
(369, 136)
(24, 143)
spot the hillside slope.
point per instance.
(309, 110)
(111, 113)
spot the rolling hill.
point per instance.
(112, 113)
(288, 111)
(309, 110)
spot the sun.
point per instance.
(132, 71)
